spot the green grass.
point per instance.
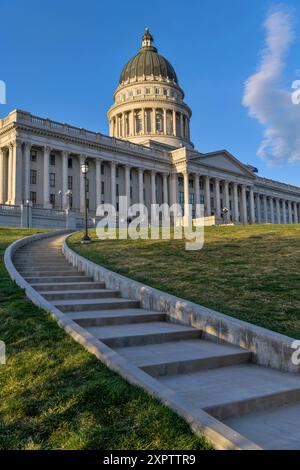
(55, 395)
(249, 272)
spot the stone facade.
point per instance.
(148, 156)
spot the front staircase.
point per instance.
(260, 403)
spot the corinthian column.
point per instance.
(141, 185)
(217, 196)
(98, 182)
(252, 210)
(46, 183)
(186, 194)
(2, 176)
(165, 189)
(64, 157)
(127, 183)
(207, 196)
(235, 203)
(278, 210)
(153, 187)
(290, 212)
(296, 212)
(244, 205)
(113, 184)
(16, 173)
(27, 150)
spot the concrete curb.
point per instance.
(222, 437)
(269, 349)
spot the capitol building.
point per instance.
(148, 156)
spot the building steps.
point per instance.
(260, 403)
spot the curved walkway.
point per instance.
(215, 387)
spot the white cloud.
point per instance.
(266, 100)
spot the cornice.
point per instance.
(92, 145)
(171, 104)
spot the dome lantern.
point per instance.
(147, 39)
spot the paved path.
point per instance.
(260, 403)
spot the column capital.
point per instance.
(47, 149)
(65, 153)
(15, 144)
(27, 144)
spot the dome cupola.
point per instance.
(148, 102)
(148, 64)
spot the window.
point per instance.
(165, 91)
(211, 186)
(130, 93)
(117, 172)
(138, 91)
(159, 122)
(32, 176)
(52, 199)
(70, 163)
(191, 198)
(87, 185)
(131, 192)
(157, 91)
(117, 207)
(102, 169)
(102, 187)
(88, 203)
(52, 180)
(117, 190)
(52, 159)
(180, 181)
(147, 91)
(33, 155)
(191, 183)
(70, 182)
(201, 184)
(181, 197)
(201, 199)
(33, 197)
(138, 123)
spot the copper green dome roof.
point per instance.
(147, 63)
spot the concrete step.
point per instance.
(95, 304)
(142, 333)
(234, 390)
(68, 286)
(116, 317)
(79, 277)
(180, 357)
(272, 429)
(80, 294)
(52, 273)
(29, 264)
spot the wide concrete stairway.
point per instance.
(260, 403)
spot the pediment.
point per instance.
(222, 160)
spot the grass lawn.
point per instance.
(249, 272)
(55, 395)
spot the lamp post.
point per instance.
(84, 170)
(225, 211)
(60, 193)
(69, 195)
(27, 203)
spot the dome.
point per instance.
(147, 63)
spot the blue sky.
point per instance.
(62, 59)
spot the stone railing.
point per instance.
(25, 118)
